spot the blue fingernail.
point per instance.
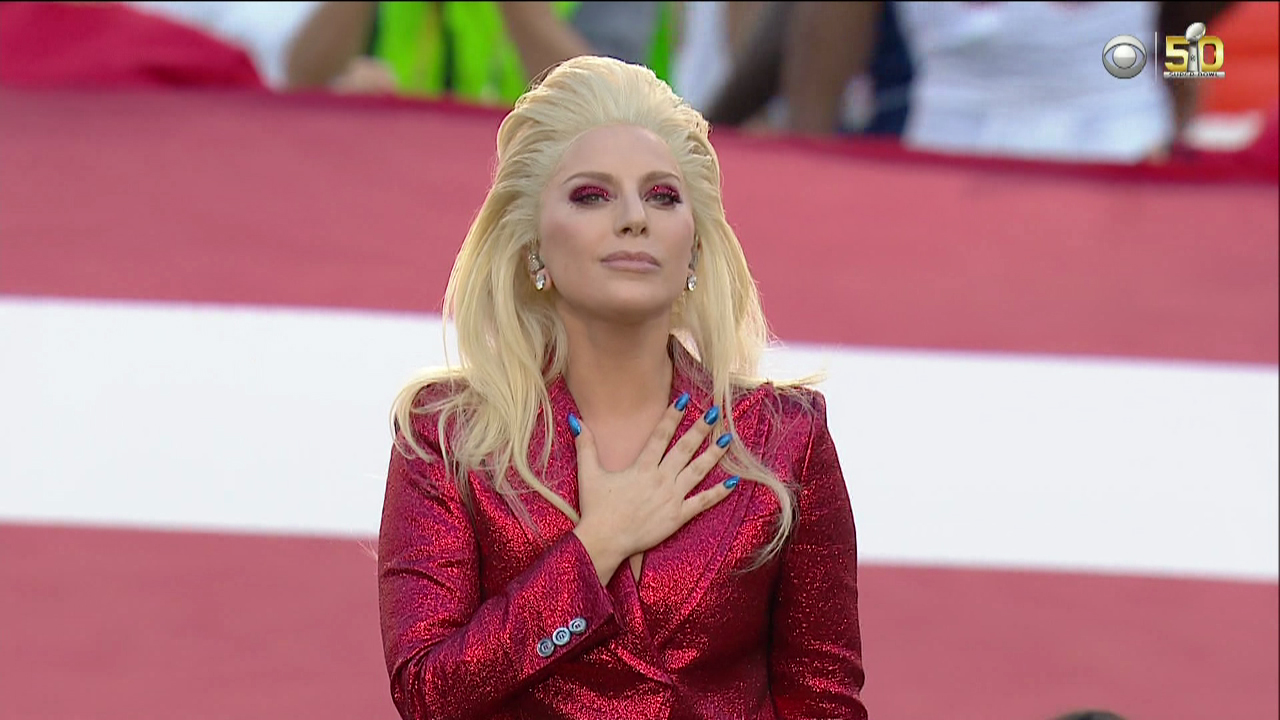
(724, 440)
(575, 427)
(712, 416)
(732, 482)
(683, 402)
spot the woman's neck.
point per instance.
(618, 372)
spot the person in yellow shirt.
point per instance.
(488, 52)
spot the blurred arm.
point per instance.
(828, 44)
(740, 20)
(334, 35)
(541, 38)
(440, 632)
(756, 72)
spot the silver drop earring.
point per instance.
(538, 270)
(692, 281)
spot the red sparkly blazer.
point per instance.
(484, 617)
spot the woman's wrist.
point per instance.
(605, 556)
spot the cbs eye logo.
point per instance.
(1124, 56)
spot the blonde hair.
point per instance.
(510, 339)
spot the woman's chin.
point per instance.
(625, 308)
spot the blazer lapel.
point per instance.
(633, 647)
(679, 570)
(560, 476)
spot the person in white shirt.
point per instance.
(704, 54)
(1015, 79)
(1025, 79)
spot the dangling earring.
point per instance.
(692, 281)
(538, 270)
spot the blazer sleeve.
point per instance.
(450, 652)
(815, 659)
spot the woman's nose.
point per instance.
(631, 216)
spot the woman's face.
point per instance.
(615, 233)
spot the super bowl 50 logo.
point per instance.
(1193, 55)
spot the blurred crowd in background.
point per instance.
(986, 78)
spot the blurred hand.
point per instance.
(762, 125)
(1159, 155)
(365, 76)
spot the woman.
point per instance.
(602, 514)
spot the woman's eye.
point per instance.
(665, 194)
(589, 195)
